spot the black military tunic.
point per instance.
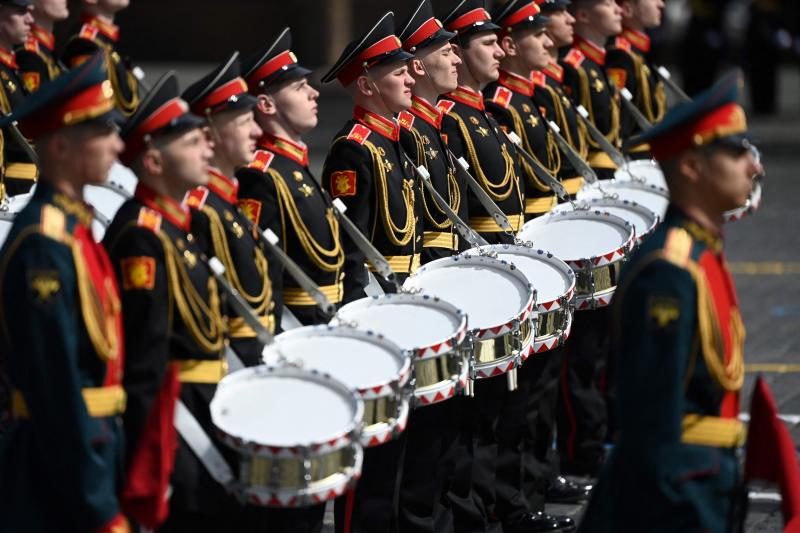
(554, 105)
(472, 134)
(37, 59)
(19, 172)
(627, 66)
(99, 34)
(509, 101)
(586, 83)
(221, 231)
(277, 191)
(421, 136)
(367, 169)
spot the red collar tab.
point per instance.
(428, 28)
(8, 58)
(107, 28)
(591, 50)
(468, 19)
(640, 40)
(516, 83)
(467, 96)
(196, 198)
(269, 68)
(296, 152)
(724, 121)
(355, 67)
(177, 213)
(406, 120)
(220, 95)
(223, 185)
(44, 37)
(538, 78)
(160, 118)
(427, 112)
(555, 72)
(526, 12)
(85, 105)
(621, 43)
(388, 128)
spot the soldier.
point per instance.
(470, 132)
(550, 96)
(99, 32)
(61, 335)
(584, 76)
(523, 39)
(627, 65)
(680, 337)
(219, 227)
(366, 165)
(278, 191)
(36, 58)
(19, 172)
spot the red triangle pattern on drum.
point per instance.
(548, 305)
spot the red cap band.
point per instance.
(270, 67)
(355, 67)
(81, 107)
(522, 14)
(428, 28)
(468, 19)
(722, 122)
(170, 110)
(219, 95)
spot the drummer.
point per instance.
(220, 229)
(679, 336)
(628, 66)
(61, 325)
(37, 58)
(523, 39)
(278, 191)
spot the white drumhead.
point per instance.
(410, 321)
(484, 288)
(106, 201)
(655, 199)
(642, 219)
(9, 210)
(577, 235)
(646, 170)
(281, 409)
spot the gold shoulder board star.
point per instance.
(387, 165)
(431, 153)
(306, 190)
(425, 140)
(483, 131)
(533, 121)
(526, 108)
(598, 85)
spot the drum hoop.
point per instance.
(623, 184)
(631, 205)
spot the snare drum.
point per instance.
(654, 198)
(643, 220)
(366, 361)
(9, 209)
(296, 432)
(593, 243)
(432, 331)
(498, 300)
(554, 282)
(643, 171)
(753, 202)
(108, 198)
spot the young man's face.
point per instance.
(15, 23)
(642, 14)
(185, 158)
(726, 176)
(296, 103)
(482, 56)
(50, 9)
(530, 46)
(393, 83)
(93, 148)
(441, 64)
(561, 28)
(235, 134)
(603, 16)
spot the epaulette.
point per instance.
(261, 160)
(53, 222)
(88, 31)
(149, 219)
(502, 97)
(574, 57)
(359, 134)
(406, 119)
(196, 198)
(622, 43)
(445, 106)
(678, 247)
(32, 45)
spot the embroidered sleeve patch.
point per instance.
(262, 160)
(359, 134)
(196, 198)
(502, 97)
(343, 183)
(138, 273)
(149, 219)
(618, 76)
(31, 81)
(251, 209)
(44, 284)
(405, 119)
(662, 312)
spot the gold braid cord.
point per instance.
(453, 191)
(324, 259)
(520, 127)
(127, 107)
(645, 100)
(398, 236)
(204, 321)
(580, 145)
(586, 101)
(259, 302)
(496, 191)
(5, 107)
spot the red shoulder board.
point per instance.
(574, 57)
(359, 134)
(622, 43)
(406, 119)
(32, 45)
(445, 106)
(196, 198)
(502, 97)
(88, 31)
(261, 160)
(149, 219)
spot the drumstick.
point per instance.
(538, 168)
(638, 116)
(615, 155)
(665, 75)
(577, 161)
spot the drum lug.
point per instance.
(512, 379)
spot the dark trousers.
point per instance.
(539, 460)
(511, 504)
(371, 507)
(582, 414)
(468, 515)
(248, 519)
